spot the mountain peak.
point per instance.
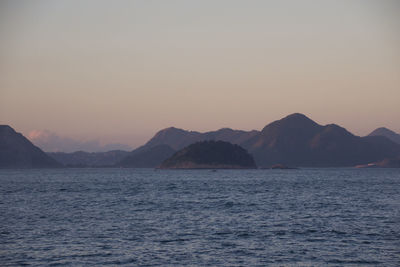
(6, 128)
(171, 129)
(382, 131)
(292, 121)
(174, 137)
(298, 117)
(18, 152)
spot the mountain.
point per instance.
(146, 157)
(179, 138)
(210, 155)
(89, 159)
(296, 140)
(395, 137)
(18, 152)
(173, 137)
(230, 135)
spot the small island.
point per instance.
(210, 155)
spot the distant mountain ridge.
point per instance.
(18, 152)
(51, 142)
(89, 159)
(178, 138)
(294, 140)
(382, 131)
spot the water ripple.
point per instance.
(126, 217)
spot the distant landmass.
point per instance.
(395, 137)
(146, 157)
(210, 155)
(169, 140)
(18, 152)
(89, 159)
(294, 141)
(178, 138)
(51, 142)
(143, 157)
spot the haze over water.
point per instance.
(143, 217)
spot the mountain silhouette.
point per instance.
(382, 131)
(295, 140)
(210, 155)
(146, 157)
(167, 141)
(173, 137)
(16, 151)
(179, 138)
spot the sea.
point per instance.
(150, 217)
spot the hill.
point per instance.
(395, 137)
(210, 155)
(18, 152)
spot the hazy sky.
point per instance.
(118, 71)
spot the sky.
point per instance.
(119, 71)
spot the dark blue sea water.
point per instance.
(145, 217)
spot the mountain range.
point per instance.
(52, 142)
(298, 141)
(295, 141)
(89, 159)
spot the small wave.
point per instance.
(338, 261)
(172, 240)
(280, 233)
(122, 261)
(338, 232)
(223, 233)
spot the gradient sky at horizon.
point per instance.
(118, 71)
